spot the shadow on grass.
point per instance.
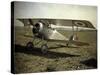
(37, 52)
(90, 62)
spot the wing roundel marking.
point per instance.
(80, 24)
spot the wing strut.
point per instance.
(75, 33)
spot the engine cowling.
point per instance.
(38, 27)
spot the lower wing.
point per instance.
(79, 43)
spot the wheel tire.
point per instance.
(29, 46)
(44, 48)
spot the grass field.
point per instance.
(57, 58)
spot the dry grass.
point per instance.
(57, 59)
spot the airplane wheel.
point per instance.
(44, 48)
(29, 46)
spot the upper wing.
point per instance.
(83, 23)
(30, 21)
(75, 25)
(26, 22)
(60, 24)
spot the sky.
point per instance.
(54, 11)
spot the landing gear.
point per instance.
(29, 46)
(44, 48)
(38, 43)
(67, 44)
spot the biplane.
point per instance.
(47, 29)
